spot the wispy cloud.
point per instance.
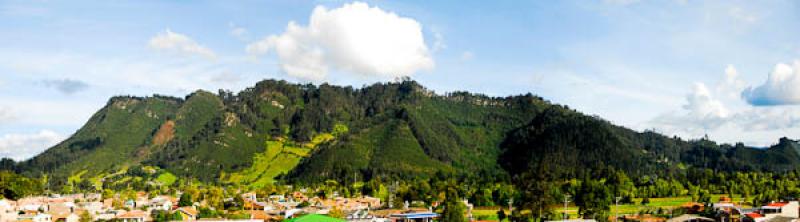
(438, 41)
(66, 86)
(176, 42)
(237, 31)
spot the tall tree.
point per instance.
(453, 207)
(185, 201)
(593, 199)
(536, 191)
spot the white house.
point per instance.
(785, 209)
(133, 216)
(8, 211)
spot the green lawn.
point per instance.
(166, 178)
(668, 203)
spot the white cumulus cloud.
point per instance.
(701, 104)
(23, 146)
(354, 38)
(732, 85)
(176, 42)
(781, 88)
(728, 114)
(701, 113)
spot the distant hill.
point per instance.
(305, 133)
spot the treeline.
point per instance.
(14, 186)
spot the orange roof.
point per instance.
(133, 214)
(753, 215)
(778, 204)
(189, 210)
(259, 215)
(691, 204)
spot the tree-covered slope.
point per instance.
(113, 137)
(305, 133)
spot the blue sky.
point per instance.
(727, 69)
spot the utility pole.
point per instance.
(566, 201)
(616, 210)
(510, 202)
(392, 189)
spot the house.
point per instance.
(690, 218)
(414, 217)
(130, 204)
(277, 198)
(67, 217)
(776, 211)
(141, 202)
(35, 217)
(251, 202)
(188, 213)
(260, 215)
(785, 209)
(61, 208)
(133, 216)
(106, 215)
(754, 216)
(92, 207)
(93, 197)
(8, 212)
(162, 203)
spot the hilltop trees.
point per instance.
(14, 186)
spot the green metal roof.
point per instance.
(315, 218)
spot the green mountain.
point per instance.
(279, 131)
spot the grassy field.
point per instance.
(166, 178)
(669, 203)
(279, 157)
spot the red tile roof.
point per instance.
(754, 215)
(779, 204)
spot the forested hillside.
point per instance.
(279, 131)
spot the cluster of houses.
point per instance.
(360, 209)
(71, 208)
(723, 211)
(727, 211)
(788, 211)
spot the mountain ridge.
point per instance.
(303, 133)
